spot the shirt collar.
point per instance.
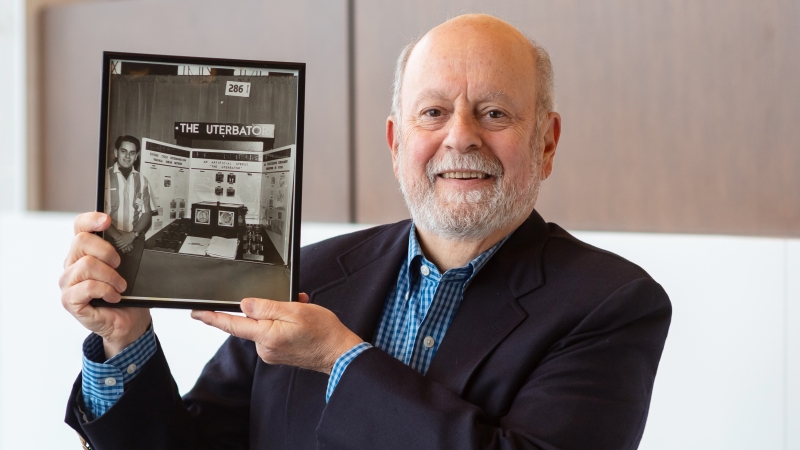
(465, 272)
(116, 169)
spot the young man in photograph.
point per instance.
(129, 202)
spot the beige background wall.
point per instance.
(678, 116)
(34, 46)
(74, 37)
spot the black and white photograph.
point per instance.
(199, 171)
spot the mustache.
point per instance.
(467, 162)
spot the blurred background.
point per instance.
(680, 150)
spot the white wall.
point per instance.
(793, 344)
(12, 105)
(728, 378)
(722, 381)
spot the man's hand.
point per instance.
(125, 240)
(89, 273)
(296, 334)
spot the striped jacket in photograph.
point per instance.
(127, 199)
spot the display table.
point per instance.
(168, 274)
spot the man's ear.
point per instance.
(392, 139)
(551, 136)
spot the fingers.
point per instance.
(310, 337)
(91, 221)
(77, 297)
(302, 297)
(90, 268)
(242, 327)
(88, 244)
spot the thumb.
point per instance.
(263, 309)
(91, 221)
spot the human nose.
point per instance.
(463, 133)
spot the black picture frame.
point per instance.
(205, 144)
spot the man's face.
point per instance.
(126, 155)
(468, 156)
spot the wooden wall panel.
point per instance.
(34, 98)
(678, 116)
(310, 31)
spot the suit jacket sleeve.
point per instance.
(591, 391)
(151, 413)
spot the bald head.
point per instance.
(481, 38)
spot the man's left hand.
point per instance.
(297, 334)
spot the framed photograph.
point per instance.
(200, 170)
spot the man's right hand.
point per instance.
(89, 273)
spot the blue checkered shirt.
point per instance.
(104, 382)
(414, 320)
(418, 312)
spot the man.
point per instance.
(476, 326)
(130, 205)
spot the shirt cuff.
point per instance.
(341, 364)
(103, 383)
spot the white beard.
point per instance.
(469, 215)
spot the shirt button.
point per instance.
(110, 381)
(425, 271)
(428, 342)
(131, 368)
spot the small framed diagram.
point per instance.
(225, 219)
(203, 216)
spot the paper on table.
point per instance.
(222, 248)
(195, 246)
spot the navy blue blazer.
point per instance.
(555, 346)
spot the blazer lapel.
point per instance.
(489, 310)
(370, 271)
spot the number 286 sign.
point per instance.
(237, 88)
